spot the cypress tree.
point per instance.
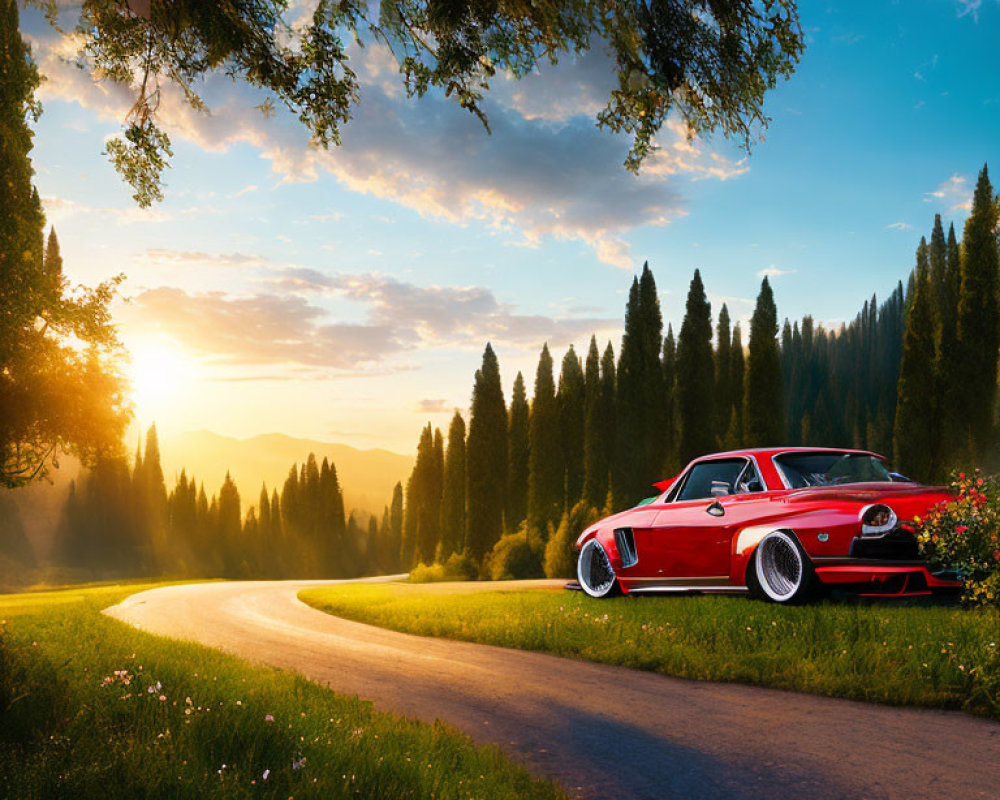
(332, 524)
(517, 456)
(978, 324)
(913, 433)
(669, 363)
(545, 471)
(453, 494)
(938, 259)
(229, 527)
(571, 404)
(432, 537)
(695, 375)
(948, 366)
(486, 454)
(53, 265)
(396, 525)
(600, 446)
(654, 416)
(423, 499)
(592, 466)
(155, 500)
(763, 403)
(737, 378)
(639, 412)
(723, 388)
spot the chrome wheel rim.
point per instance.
(779, 566)
(594, 571)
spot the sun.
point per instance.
(159, 373)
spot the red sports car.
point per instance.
(777, 523)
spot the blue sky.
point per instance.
(347, 296)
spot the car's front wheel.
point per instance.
(594, 572)
(780, 572)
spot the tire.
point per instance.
(780, 571)
(594, 572)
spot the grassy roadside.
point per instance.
(935, 656)
(91, 708)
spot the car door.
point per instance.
(689, 542)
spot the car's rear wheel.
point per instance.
(594, 572)
(781, 571)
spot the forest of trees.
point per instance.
(506, 492)
(121, 520)
(913, 377)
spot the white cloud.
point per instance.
(774, 272)
(953, 192)
(59, 208)
(539, 175)
(966, 8)
(898, 226)
(284, 326)
(161, 256)
(436, 405)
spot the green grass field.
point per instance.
(924, 655)
(91, 708)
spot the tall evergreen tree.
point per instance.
(639, 412)
(669, 362)
(978, 322)
(453, 494)
(423, 500)
(600, 433)
(571, 402)
(763, 403)
(695, 375)
(723, 387)
(396, 525)
(486, 454)
(517, 456)
(737, 379)
(913, 435)
(229, 528)
(948, 367)
(591, 454)
(938, 261)
(545, 473)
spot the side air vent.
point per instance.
(626, 547)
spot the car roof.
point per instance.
(768, 452)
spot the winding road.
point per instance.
(601, 731)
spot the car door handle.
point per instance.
(716, 509)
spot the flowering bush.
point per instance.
(964, 535)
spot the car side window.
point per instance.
(712, 479)
(750, 480)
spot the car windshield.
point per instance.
(831, 469)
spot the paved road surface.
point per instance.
(601, 731)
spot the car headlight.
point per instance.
(877, 519)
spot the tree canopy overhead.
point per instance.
(709, 61)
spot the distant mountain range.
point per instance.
(366, 476)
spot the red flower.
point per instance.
(996, 555)
(961, 476)
(961, 529)
(979, 481)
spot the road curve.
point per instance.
(601, 731)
